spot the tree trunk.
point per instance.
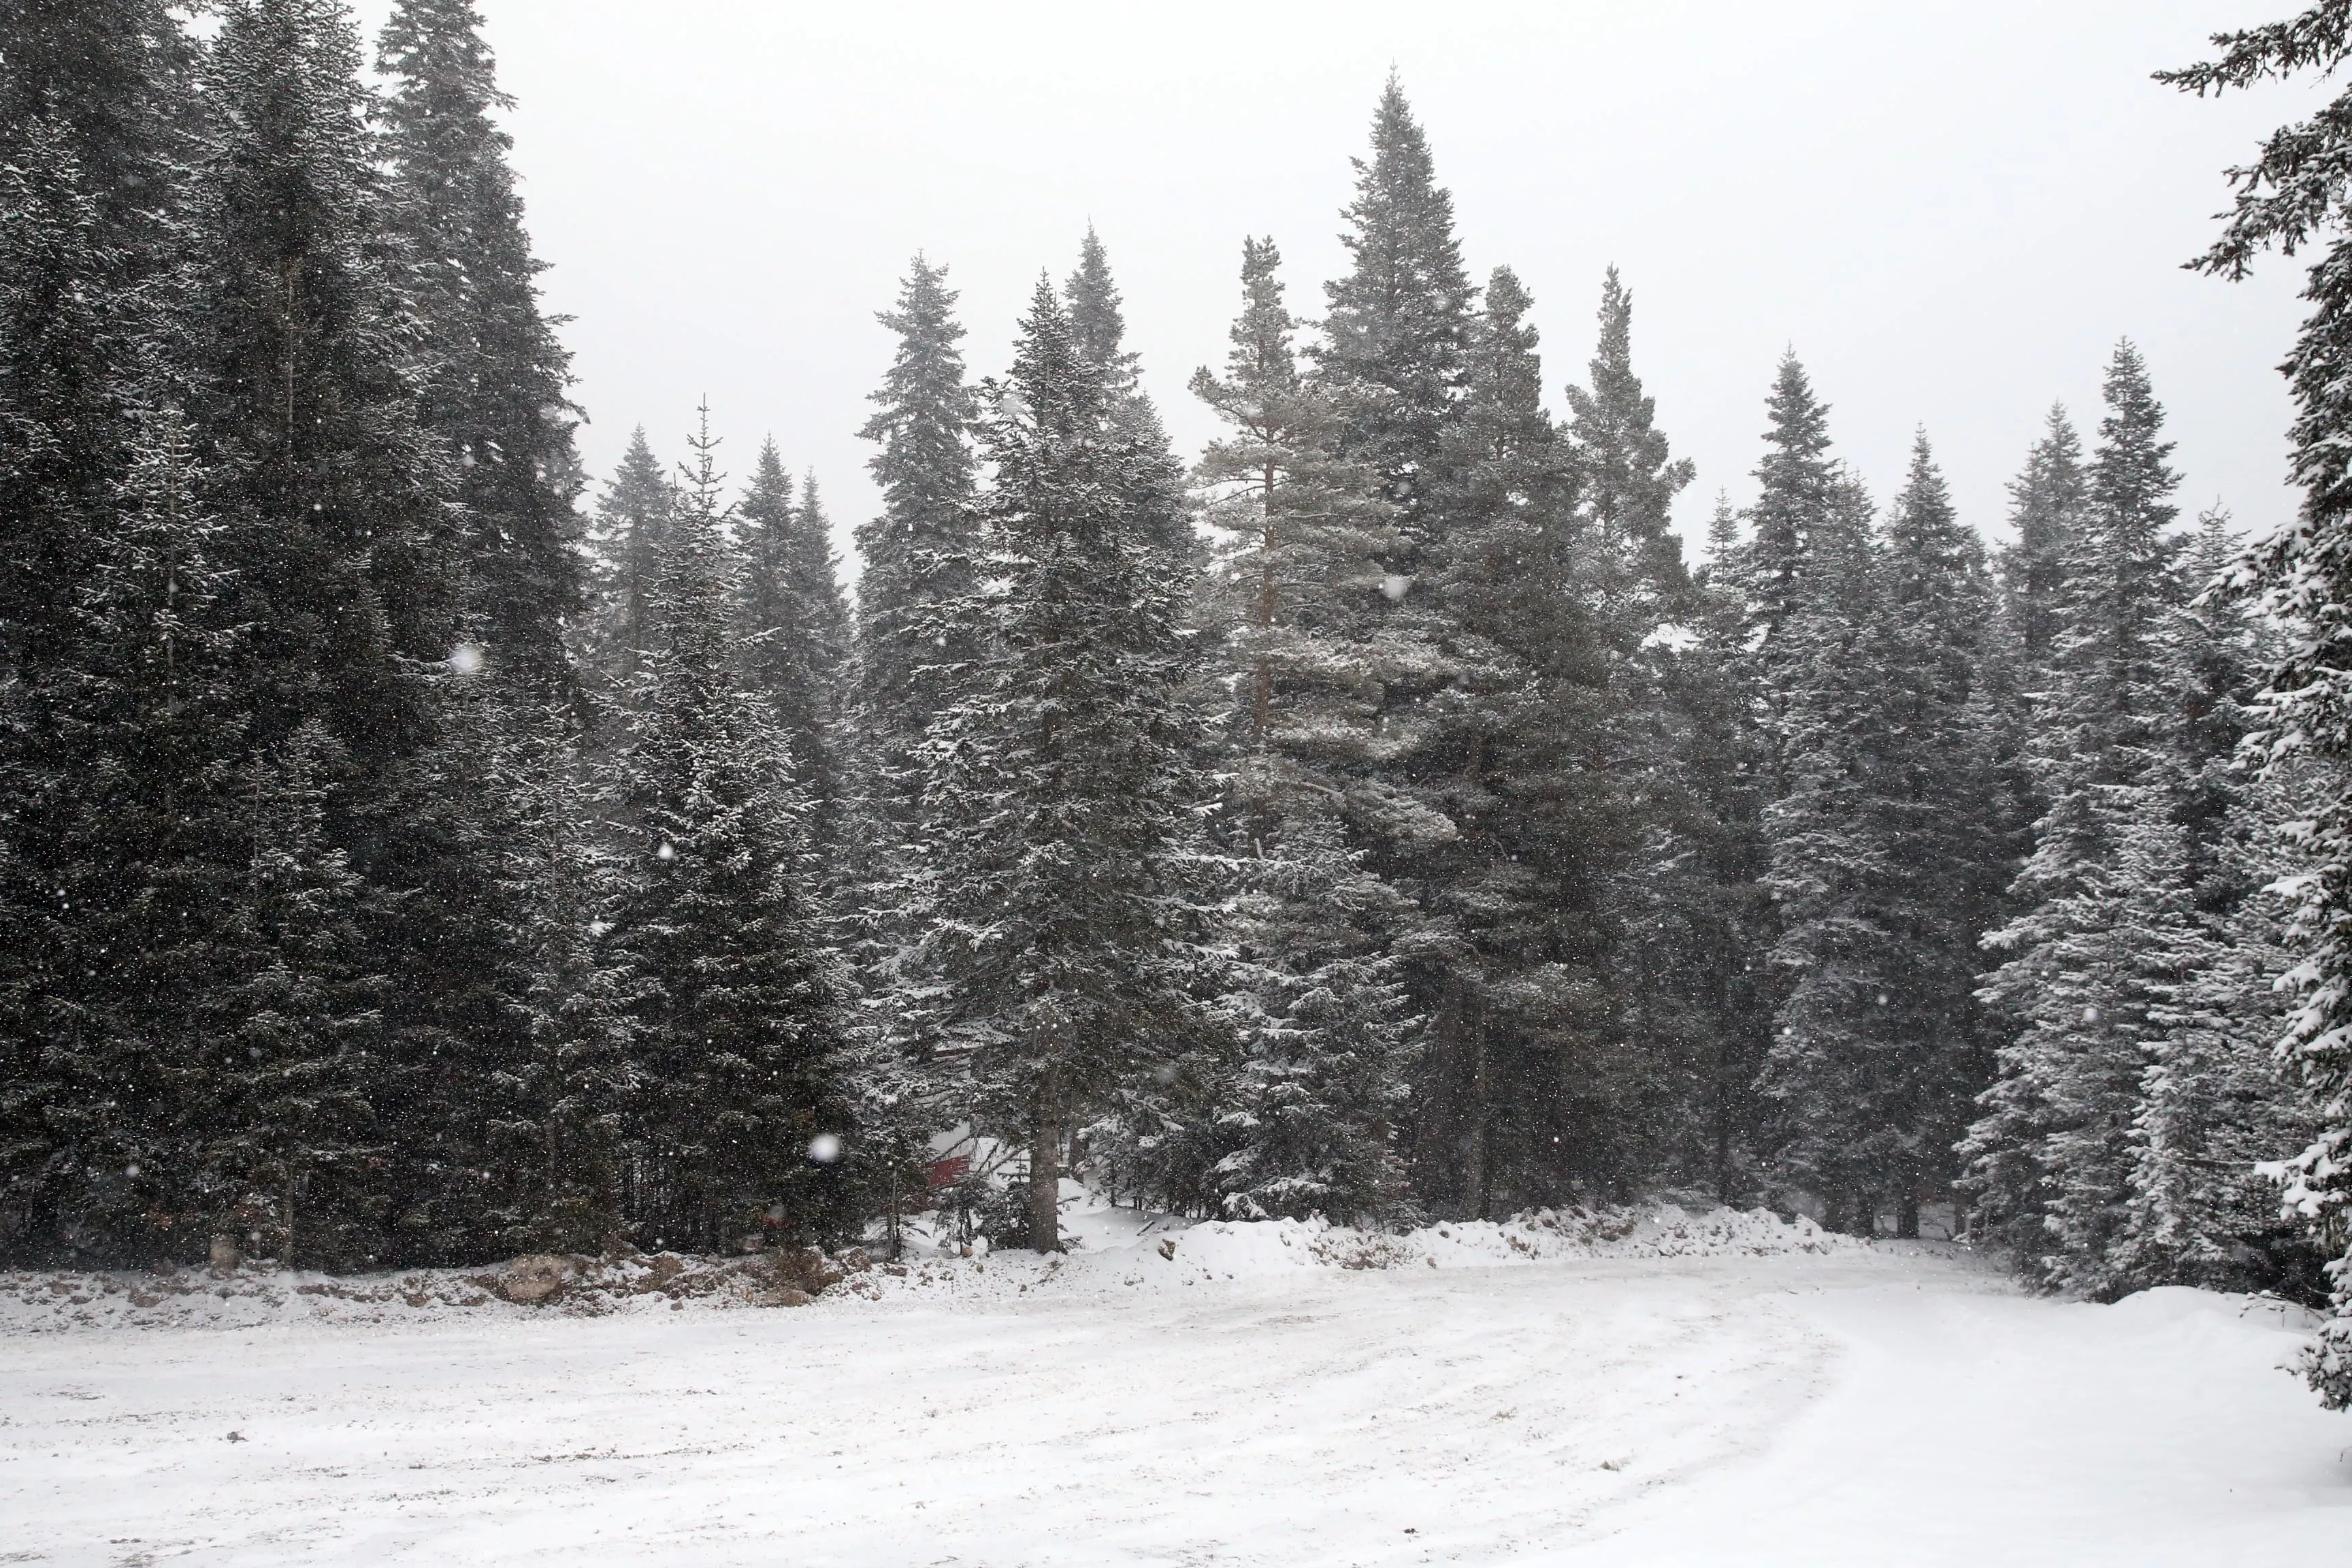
(1045, 1176)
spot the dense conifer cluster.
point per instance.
(1376, 819)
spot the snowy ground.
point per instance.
(1483, 1396)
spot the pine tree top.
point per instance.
(1796, 481)
(445, 73)
(1098, 318)
(1399, 318)
(2129, 480)
(1263, 360)
(924, 412)
(1921, 525)
(1628, 478)
(1401, 229)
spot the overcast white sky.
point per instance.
(1951, 211)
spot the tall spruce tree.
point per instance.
(1296, 1105)
(2213, 1105)
(918, 554)
(306, 373)
(918, 642)
(546, 1123)
(1392, 362)
(2288, 198)
(1943, 818)
(62, 389)
(1524, 1073)
(1063, 797)
(2049, 1157)
(1664, 903)
(731, 999)
(1837, 1131)
(1883, 859)
(1733, 686)
(495, 395)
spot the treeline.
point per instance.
(1376, 817)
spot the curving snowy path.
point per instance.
(1859, 1408)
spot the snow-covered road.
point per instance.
(1876, 1408)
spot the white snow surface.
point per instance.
(1653, 1388)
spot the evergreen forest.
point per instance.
(416, 850)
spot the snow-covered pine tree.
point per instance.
(918, 554)
(917, 640)
(796, 628)
(2287, 199)
(110, 1085)
(626, 542)
(2213, 1103)
(1837, 1121)
(1063, 797)
(1884, 859)
(1732, 687)
(1392, 360)
(1943, 820)
(2049, 1157)
(1528, 1082)
(732, 1000)
(496, 395)
(1672, 908)
(298, 368)
(1296, 1108)
(60, 440)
